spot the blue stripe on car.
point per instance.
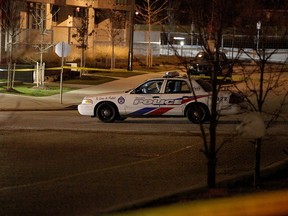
(143, 111)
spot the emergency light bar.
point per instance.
(171, 74)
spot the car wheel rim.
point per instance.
(106, 113)
(196, 115)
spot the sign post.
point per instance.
(62, 49)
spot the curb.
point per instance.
(71, 107)
(176, 195)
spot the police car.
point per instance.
(168, 96)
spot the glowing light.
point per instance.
(179, 38)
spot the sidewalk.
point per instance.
(10, 102)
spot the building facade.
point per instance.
(44, 23)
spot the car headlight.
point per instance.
(87, 101)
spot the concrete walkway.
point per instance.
(71, 98)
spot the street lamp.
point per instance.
(258, 27)
(182, 44)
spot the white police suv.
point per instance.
(169, 96)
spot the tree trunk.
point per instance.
(9, 76)
(82, 63)
(113, 54)
(211, 177)
(149, 55)
(212, 159)
(10, 65)
(258, 143)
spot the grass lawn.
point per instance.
(115, 74)
(32, 90)
(54, 87)
(89, 80)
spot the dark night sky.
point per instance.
(271, 4)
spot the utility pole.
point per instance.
(258, 27)
(130, 54)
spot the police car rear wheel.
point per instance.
(106, 112)
(196, 113)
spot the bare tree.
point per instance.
(151, 13)
(40, 17)
(210, 18)
(11, 22)
(82, 33)
(116, 21)
(262, 80)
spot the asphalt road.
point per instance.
(72, 120)
(74, 165)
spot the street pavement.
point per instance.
(70, 100)
(9, 102)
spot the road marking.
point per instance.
(93, 171)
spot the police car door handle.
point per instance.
(155, 97)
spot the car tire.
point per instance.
(106, 112)
(197, 113)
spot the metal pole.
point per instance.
(130, 54)
(257, 42)
(61, 75)
(258, 26)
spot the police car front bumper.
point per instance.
(86, 109)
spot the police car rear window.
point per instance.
(205, 85)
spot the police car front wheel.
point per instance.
(106, 112)
(197, 113)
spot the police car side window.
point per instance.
(177, 86)
(184, 87)
(205, 85)
(150, 87)
(170, 86)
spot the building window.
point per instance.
(117, 19)
(121, 2)
(36, 15)
(79, 12)
(55, 13)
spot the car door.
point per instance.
(176, 95)
(144, 100)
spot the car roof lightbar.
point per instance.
(171, 74)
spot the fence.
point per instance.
(186, 45)
(281, 55)
(228, 40)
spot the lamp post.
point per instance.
(130, 53)
(181, 44)
(258, 27)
